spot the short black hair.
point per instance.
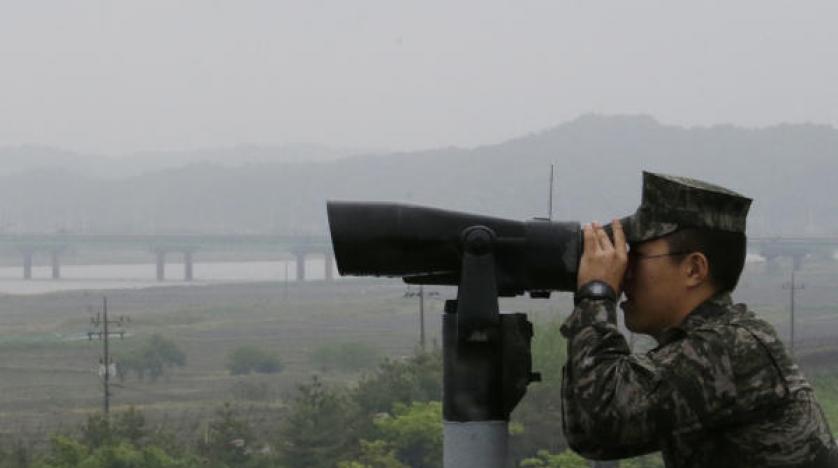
(725, 252)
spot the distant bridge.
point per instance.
(796, 248)
(162, 244)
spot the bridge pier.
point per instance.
(301, 266)
(327, 266)
(161, 265)
(56, 264)
(27, 264)
(187, 265)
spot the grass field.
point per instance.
(48, 367)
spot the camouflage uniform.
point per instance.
(718, 391)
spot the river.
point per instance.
(133, 276)
(142, 275)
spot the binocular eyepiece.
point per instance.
(426, 246)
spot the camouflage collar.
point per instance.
(702, 314)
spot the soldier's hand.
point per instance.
(601, 259)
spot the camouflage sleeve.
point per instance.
(617, 404)
(608, 394)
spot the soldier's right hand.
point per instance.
(601, 259)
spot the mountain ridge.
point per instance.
(788, 169)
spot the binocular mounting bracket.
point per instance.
(486, 358)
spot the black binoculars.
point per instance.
(426, 246)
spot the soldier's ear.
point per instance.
(696, 269)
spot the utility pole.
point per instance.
(792, 287)
(550, 199)
(101, 321)
(422, 316)
(421, 295)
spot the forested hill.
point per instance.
(790, 170)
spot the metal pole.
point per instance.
(478, 442)
(107, 402)
(550, 201)
(791, 314)
(475, 444)
(792, 286)
(422, 316)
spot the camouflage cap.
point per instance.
(670, 203)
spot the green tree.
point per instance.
(545, 459)
(151, 359)
(227, 439)
(418, 378)
(319, 429)
(125, 455)
(415, 433)
(64, 452)
(96, 431)
(346, 356)
(375, 454)
(247, 359)
(130, 426)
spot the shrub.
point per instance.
(151, 359)
(247, 359)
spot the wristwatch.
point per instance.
(594, 290)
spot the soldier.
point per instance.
(719, 390)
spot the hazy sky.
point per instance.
(118, 76)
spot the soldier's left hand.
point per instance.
(601, 259)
